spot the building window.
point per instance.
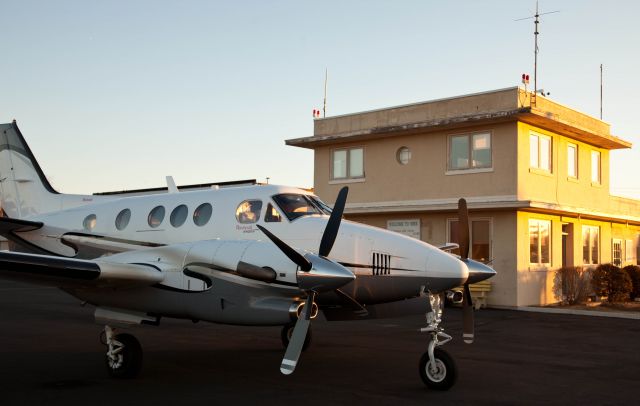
(539, 242)
(629, 252)
(348, 163)
(616, 252)
(480, 238)
(403, 155)
(590, 244)
(572, 160)
(540, 151)
(470, 151)
(595, 167)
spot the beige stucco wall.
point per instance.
(535, 283)
(425, 176)
(503, 244)
(556, 187)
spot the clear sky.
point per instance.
(116, 95)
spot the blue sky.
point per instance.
(116, 95)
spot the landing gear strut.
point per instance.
(124, 354)
(437, 369)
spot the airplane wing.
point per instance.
(66, 272)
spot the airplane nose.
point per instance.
(447, 268)
(478, 271)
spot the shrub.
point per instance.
(611, 281)
(572, 284)
(634, 273)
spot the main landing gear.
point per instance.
(124, 354)
(437, 369)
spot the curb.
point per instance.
(618, 315)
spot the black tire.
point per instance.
(285, 335)
(129, 364)
(446, 372)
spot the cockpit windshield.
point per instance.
(295, 205)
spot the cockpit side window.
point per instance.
(248, 211)
(295, 205)
(272, 215)
(321, 205)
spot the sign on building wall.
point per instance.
(409, 228)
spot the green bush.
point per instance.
(611, 281)
(571, 285)
(634, 273)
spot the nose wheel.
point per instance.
(124, 354)
(436, 367)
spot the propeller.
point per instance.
(463, 241)
(318, 274)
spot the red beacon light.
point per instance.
(525, 79)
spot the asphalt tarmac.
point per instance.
(50, 354)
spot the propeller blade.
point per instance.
(463, 229)
(331, 231)
(467, 316)
(358, 309)
(296, 342)
(292, 254)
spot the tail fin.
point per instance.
(24, 190)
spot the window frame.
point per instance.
(549, 223)
(576, 173)
(598, 154)
(470, 166)
(348, 175)
(621, 259)
(537, 165)
(450, 220)
(590, 259)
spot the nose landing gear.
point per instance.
(437, 369)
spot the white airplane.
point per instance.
(203, 255)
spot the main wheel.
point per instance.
(126, 361)
(287, 331)
(440, 376)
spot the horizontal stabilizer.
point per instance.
(66, 272)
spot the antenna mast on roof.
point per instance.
(324, 108)
(535, 49)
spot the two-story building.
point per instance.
(535, 175)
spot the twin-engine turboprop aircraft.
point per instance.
(203, 255)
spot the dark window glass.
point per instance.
(179, 215)
(272, 215)
(156, 216)
(122, 219)
(202, 214)
(295, 206)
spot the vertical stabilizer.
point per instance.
(24, 190)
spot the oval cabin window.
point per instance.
(122, 220)
(202, 214)
(179, 215)
(156, 216)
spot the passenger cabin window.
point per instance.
(122, 219)
(248, 211)
(179, 215)
(156, 216)
(272, 215)
(89, 222)
(202, 214)
(295, 205)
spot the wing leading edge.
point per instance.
(66, 272)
